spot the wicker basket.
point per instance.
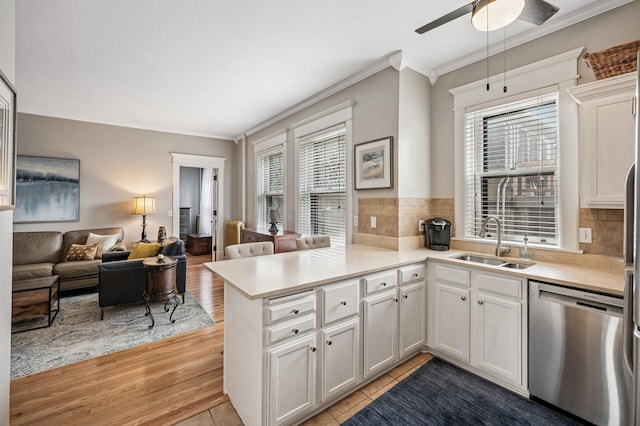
(616, 60)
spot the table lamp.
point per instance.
(143, 206)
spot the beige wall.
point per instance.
(609, 29)
(116, 164)
(8, 39)
(375, 115)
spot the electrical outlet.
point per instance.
(585, 235)
(170, 213)
(374, 222)
(421, 225)
(355, 220)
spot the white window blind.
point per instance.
(511, 168)
(322, 184)
(270, 186)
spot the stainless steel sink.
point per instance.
(493, 261)
(480, 259)
(514, 265)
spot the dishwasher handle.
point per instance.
(575, 297)
(627, 321)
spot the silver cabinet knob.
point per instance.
(415, 275)
(343, 303)
(295, 331)
(463, 298)
(395, 299)
(480, 302)
(312, 349)
(383, 284)
(405, 296)
(329, 342)
(295, 311)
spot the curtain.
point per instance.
(206, 202)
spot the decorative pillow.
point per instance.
(173, 248)
(81, 252)
(104, 242)
(143, 250)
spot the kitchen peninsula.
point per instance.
(293, 319)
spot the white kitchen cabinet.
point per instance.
(380, 331)
(340, 357)
(483, 325)
(606, 139)
(451, 310)
(412, 300)
(292, 379)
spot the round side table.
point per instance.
(160, 284)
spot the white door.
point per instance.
(292, 383)
(451, 328)
(498, 325)
(340, 357)
(380, 331)
(412, 317)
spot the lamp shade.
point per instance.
(489, 15)
(143, 205)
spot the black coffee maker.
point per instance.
(437, 235)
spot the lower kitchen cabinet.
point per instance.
(380, 331)
(292, 379)
(340, 357)
(480, 319)
(451, 320)
(412, 318)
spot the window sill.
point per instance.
(459, 242)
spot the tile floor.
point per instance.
(225, 415)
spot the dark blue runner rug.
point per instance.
(440, 394)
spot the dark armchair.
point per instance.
(122, 281)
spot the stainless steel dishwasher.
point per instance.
(575, 353)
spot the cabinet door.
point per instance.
(412, 319)
(340, 357)
(451, 328)
(292, 383)
(498, 337)
(380, 332)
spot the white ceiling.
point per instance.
(221, 67)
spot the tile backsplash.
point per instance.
(606, 231)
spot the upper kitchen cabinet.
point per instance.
(606, 139)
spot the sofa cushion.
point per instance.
(142, 250)
(37, 247)
(172, 247)
(80, 237)
(81, 252)
(76, 269)
(104, 242)
(33, 270)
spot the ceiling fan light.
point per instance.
(498, 13)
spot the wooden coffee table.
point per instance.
(37, 297)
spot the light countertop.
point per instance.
(283, 273)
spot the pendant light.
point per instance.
(490, 15)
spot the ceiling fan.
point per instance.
(503, 12)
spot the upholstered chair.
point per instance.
(237, 251)
(316, 241)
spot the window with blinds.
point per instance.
(322, 184)
(270, 186)
(511, 168)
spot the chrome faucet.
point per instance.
(500, 249)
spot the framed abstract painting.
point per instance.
(373, 164)
(47, 190)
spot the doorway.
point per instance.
(211, 215)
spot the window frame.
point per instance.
(261, 147)
(559, 73)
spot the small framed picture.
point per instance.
(373, 164)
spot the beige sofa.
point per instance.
(42, 253)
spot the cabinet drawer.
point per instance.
(412, 273)
(249, 237)
(339, 301)
(278, 332)
(452, 275)
(380, 281)
(505, 286)
(291, 309)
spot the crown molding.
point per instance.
(547, 28)
(617, 85)
(401, 60)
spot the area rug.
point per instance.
(77, 333)
(440, 394)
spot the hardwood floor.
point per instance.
(173, 381)
(160, 383)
